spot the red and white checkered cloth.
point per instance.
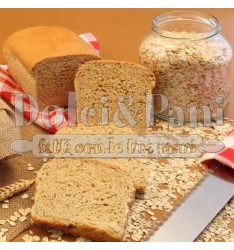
(48, 121)
(224, 156)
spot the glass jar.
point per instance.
(190, 60)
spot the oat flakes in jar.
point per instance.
(191, 62)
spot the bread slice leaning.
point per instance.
(43, 60)
(135, 167)
(119, 87)
(83, 197)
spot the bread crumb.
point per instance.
(136, 237)
(150, 212)
(5, 206)
(45, 160)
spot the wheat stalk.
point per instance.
(11, 190)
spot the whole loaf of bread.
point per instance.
(43, 60)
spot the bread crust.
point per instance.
(32, 45)
(85, 229)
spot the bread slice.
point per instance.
(83, 197)
(43, 60)
(101, 84)
(135, 167)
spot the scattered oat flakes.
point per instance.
(22, 218)
(12, 223)
(5, 206)
(3, 239)
(27, 238)
(176, 176)
(21, 210)
(16, 214)
(2, 222)
(82, 239)
(36, 238)
(24, 196)
(13, 218)
(28, 210)
(4, 230)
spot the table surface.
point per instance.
(119, 31)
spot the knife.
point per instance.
(199, 208)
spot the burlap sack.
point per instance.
(13, 167)
(7, 133)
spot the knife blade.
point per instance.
(198, 209)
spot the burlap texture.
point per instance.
(7, 134)
(14, 166)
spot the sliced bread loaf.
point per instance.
(135, 167)
(110, 85)
(83, 197)
(43, 60)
